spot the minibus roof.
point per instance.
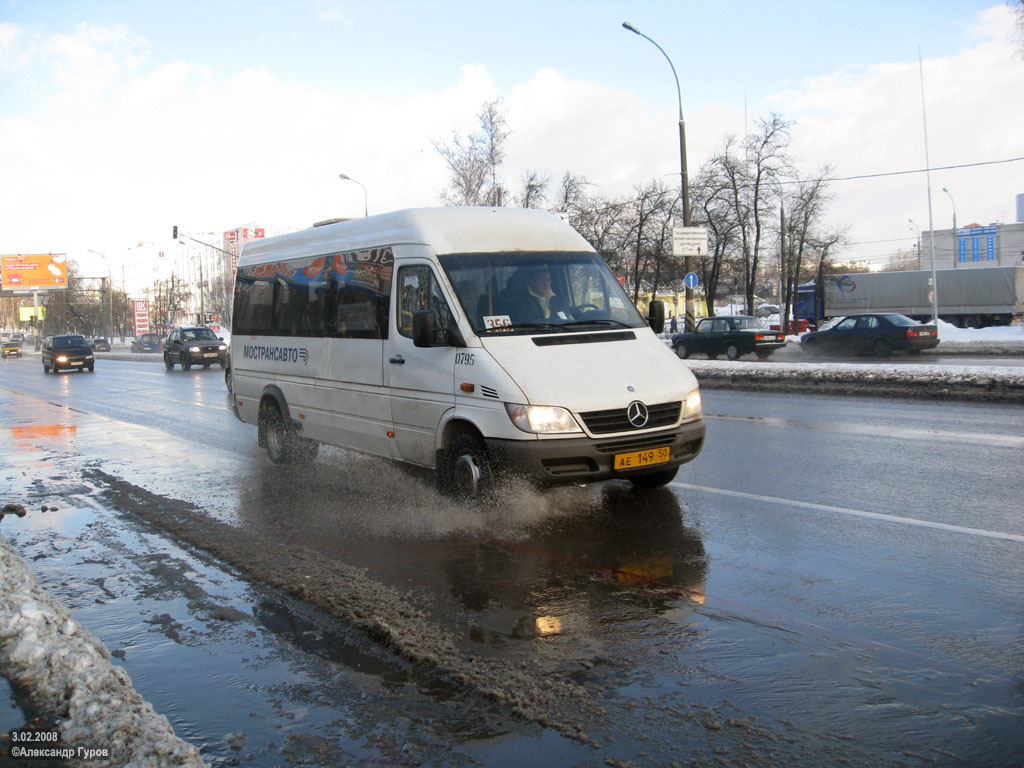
(446, 230)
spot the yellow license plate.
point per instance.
(642, 458)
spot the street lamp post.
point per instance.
(684, 182)
(918, 242)
(366, 206)
(951, 200)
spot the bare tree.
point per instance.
(1017, 7)
(475, 162)
(806, 204)
(534, 190)
(647, 235)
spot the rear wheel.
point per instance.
(284, 446)
(732, 351)
(881, 348)
(465, 470)
(655, 479)
(763, 354)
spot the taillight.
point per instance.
(912, 334)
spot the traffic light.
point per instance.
(174, 235)
(67, 317)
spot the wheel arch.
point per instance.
(450, 428)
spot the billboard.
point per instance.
(141, 316)
(27, 272)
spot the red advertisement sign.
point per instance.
(141, 316)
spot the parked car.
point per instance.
(877, 334)
(68, 351)
(729, 335)
(194, 345)
(12, 348)
(147, 342)
(100, 345)
(17, 336)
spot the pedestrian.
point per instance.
(673, 326)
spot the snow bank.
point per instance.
(68, 673)
(976, 382)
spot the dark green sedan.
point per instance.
(729, 335)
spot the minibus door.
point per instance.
(420, 379)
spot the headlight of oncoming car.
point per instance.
(193, 349)
(62, 358)
(692, 408)
(542, 419)
(223, 347)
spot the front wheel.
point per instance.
(682, 351)
(655, 479)
(167, 363)
(186, 364)
(465, 470)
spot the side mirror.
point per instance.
(424, 328)
(656, 316)
(426, 333)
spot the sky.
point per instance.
(120, 119)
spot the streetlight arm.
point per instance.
(679, 92)
(366, 204)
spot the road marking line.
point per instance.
(856, 513)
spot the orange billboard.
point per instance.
(33, 271)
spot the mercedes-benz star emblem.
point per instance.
(636, 412)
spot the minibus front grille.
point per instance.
(626, 444)
(616, 419)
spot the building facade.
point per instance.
(993, 245)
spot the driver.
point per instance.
(538, 302)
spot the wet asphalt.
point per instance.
(834, 580)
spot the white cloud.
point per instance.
(122, 152)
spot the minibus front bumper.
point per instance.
(586, 459)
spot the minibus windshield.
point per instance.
(539, 292)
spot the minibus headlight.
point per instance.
(693, 408)
(542, 419)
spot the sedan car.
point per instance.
(876, 334)
(147, 342)
(68, 351)
(12, 348)
(731, 335)
(195, 345)
(100, 345)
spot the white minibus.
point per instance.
(475, 341)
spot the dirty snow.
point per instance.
(43, 649)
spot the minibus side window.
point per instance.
(360, 294)
(418, 290)
(254, 306)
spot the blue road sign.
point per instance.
(691, 280)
